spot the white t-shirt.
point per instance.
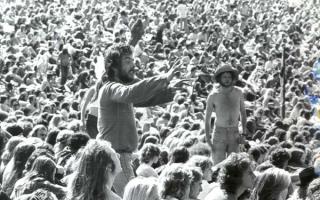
(146, 171)
(182, 10)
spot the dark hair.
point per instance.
(148, 152)
(77, 140)
(179, 155)
(232, 170)
(14, 129)
(113, 57)
(233, 75)
(174, 180)
(35, 154)
(43, 166)
(279, 157)
(20, 157)
(52, 136)
(3, 98)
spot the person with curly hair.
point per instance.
(235, 177)
(204, 163)
(149, 154)
(175, 183)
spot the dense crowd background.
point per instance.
(51, 54)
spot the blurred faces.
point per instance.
(42, 134)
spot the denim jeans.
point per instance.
(125, 175)
(225, 141)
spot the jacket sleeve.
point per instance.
(137, 92)
(161, 97)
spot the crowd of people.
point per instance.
(150, 100)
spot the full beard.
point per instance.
(126, 78)
(226, 85)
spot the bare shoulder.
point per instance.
(238, 90)
(212, 94)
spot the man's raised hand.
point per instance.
(173, 69)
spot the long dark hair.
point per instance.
(91, 176)
(43, 167)
(113, 57)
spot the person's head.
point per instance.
(62, 140)
(204, 163)
(226, 75)
(179, 155)
(236, 173)
(77, 140)
(9, 148)
(55, 121)
(201, 149)
(272, 184)
(279, 158)
(119, 63)
(3, 99)
(149, 153)
(257, 153)
(44, 167)
(95, 172)
(39, 131)
(314, 190)
(36, 154)
(175, 182)
(14, 129)
(20, 156)
(141, 188)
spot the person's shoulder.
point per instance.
(238, 89)
(214, 92)
(216, 194)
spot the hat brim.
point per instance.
(221, 71)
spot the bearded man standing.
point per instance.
(117, 99)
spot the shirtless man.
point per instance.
(228, 103)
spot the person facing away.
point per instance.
(121, 92)
(227, 102)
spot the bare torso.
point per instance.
(227, 107)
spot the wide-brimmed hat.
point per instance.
(226, 68)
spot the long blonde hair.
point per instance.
(141, 188)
